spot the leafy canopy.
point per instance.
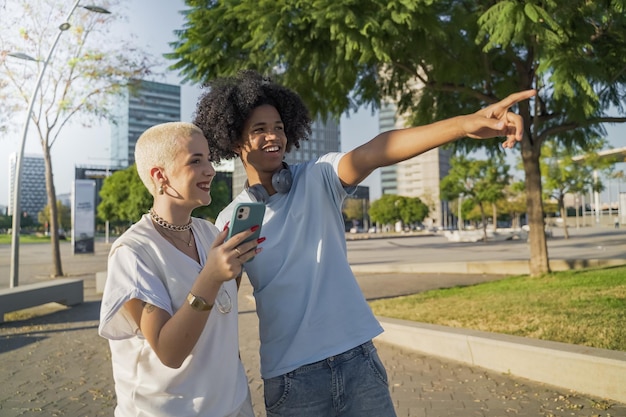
(125, 198)
(391, 208)
(433, 59)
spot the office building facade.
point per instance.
(145, 104)
(419, 176)
(33, 195)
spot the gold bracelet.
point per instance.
(198, 303)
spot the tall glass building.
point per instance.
(33, 196)
(145, 104)
(416, 177)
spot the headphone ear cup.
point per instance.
(281, 181)
(258, 193)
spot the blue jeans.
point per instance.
(351, 384)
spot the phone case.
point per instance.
(244, 217)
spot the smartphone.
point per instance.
(244, 217)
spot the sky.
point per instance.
(154, 28)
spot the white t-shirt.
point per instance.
(211, 382)
(309, 304)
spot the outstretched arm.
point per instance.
(399, 145)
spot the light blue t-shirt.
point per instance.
(309, 304)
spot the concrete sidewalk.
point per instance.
(54, 363)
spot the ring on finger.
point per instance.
(238, 251)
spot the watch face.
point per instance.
(197, 303)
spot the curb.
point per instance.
(591, 371)
(512, 267)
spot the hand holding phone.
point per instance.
(244, 217)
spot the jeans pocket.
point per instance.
(275, 391)
(377, 366)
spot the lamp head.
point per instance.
(96, 9)
(21, 55)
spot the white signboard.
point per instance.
(83, 216)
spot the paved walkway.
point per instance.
(54, 363)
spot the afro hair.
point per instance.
(222, 111)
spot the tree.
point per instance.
(514, 202)
(90, 66)
(411, 210)
(391, 208)
(64, 216)
(353, 209)
(5, 223)
(124, 199)
(435, 59)
(220, 198)
(562, 175)
(479, 182)
(385, 210)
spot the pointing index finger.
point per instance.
(515, 98)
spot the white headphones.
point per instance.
(281, 181)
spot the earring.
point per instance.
(161, 189)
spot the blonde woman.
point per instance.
(169, 307)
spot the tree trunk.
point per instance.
(54, 217)
(494, 214)
(539, 263)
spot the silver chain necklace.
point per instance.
(167, 225)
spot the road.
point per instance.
(584, 243)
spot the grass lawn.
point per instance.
(583, 307)
(6, 239)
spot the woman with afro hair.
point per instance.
(315, 326)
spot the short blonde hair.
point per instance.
(158, 147)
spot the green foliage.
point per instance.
(412, 210)
(125, 198)
(434, 59)
(569, 170)
(438, 59)
(513, 205)
(391, 208)
(220, 198)
(384, 210)
(6, 222)
(563, 175)
(64, 216)
(353, 209)
(477, 181)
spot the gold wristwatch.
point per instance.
(198, 303)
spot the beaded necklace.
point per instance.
(167, 225)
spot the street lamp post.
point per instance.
(15, 233)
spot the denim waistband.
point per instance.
(334, 360)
